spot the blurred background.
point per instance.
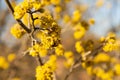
(107, 18)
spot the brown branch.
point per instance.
(39, 60)
(18, 20)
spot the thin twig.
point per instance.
(39, 60)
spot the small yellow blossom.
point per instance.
(70, 59)
(58, 9)
(3, 63)
(91, 21)
(79, 31)
(11, 57)
(17, 31)
(99, 3)
(76, 16)
(66, 18)
(37, 49)
(101, 57)
(55, 2)
(45, 72)
(79, 47)
(59, 50)
(117, 69)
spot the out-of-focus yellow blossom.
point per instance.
(79, 31)
(66, 18)
(79, 47)
(59, 50)
(70, 59)
(17, 31)
(99, 3)
(3, 63)
(16, 78)
(91, 21)
(99, 72)
(117, 69)
(78, 34)
(37, 6)
(102, 39)
(110, 43)
(76, 16)
(58, 9)
(89, 70)
(113, 60)
(55, 2)
(45, 72)
(45, 2)
(11, 57)
(110, 47)
(101, 57)
(107, 75)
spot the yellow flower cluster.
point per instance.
(24, 6)
(45, 72)
(66, 18)
(59, 50)
(117, 69)
(51, 36)
(110, 43)
(3, 63)
(76, 16)
(79, 47)
(69, 59)
(37, 49)
(102, 66)
(79, 31)
(99, 72)
(91, 21)
(17, 31)
(11, 57)
(101, 57)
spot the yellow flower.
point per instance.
(3, 63)
(99, 3)
(79, 31)
(58, 9)
(101, 57)
(55, 2)
(59, 50)
(117, 69)
(98, 71)
(91, 21)
(89, 70)
(76, 16)
(37, 49)
(37, 6)
(17, 31)
(16, 78)
(70, 59)
(79, 47)
(45, 72)
(11, 57)
(66, 18)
